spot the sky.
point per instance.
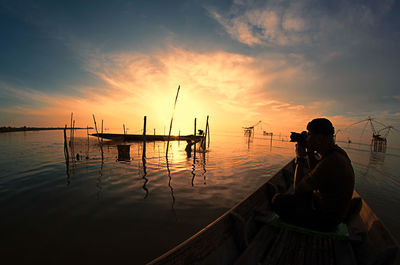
(241, 61)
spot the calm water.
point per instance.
(119, 212)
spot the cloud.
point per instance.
(262, 27)
(291, 23)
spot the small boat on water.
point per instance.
(244, 235)
(140, 137)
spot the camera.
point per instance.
(300, 138)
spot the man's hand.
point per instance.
(301, 151)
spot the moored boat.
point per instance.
(243, 235)
(140, 137)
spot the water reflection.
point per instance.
(249, 140)
(376, 158)
(99, 183)
(229, 169)
(144, 171)
(204, 168)
(124, 152)
(202, 163)
(67, 172)
(193, 170)
(171, 188)
(136, 157)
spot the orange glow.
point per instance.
(233, 89)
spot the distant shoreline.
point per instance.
(25, 129)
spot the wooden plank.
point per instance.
(289, 256)
(343, 252)
(256, 249)
(376, 244)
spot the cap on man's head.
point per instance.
(320, 126)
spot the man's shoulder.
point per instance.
(337, 157)
(337, 153)
(337, 163)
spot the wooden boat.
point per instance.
(139, 137)
(242, 236)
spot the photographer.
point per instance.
(321, 197)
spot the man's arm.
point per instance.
(312, 160)
(299, 185)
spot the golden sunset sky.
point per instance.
(241, 61)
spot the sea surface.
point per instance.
(117, 209)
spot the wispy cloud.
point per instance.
(256, 26)
(290, 23)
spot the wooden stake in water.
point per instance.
(88, 143)
(172, 118)
(66, 153)
(144, 138)
(73, 141)
(70, 132)
(203, 141)
(208, 127)
(102, 132)
(66, 146)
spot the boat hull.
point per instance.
(243, 236)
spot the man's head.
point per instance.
(320, 134)
(320, 126)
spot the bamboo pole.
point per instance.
(208, 127)
(172, 119)
(66, 154)
(98, 138)
(73, 140)
(205, 136)
(102, 132)
(87, 132)
(70, 131)
(271, 139)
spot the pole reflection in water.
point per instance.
(119, 152)
(193, 169)
(66, 155)
(67, 171)
(204, 168)
(99, 183)
(194, 160)
(171, 188)
(144, 171)
(377, 158)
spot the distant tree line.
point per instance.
(24, 128)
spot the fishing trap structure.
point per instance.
(379, 137)
(249, 131)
